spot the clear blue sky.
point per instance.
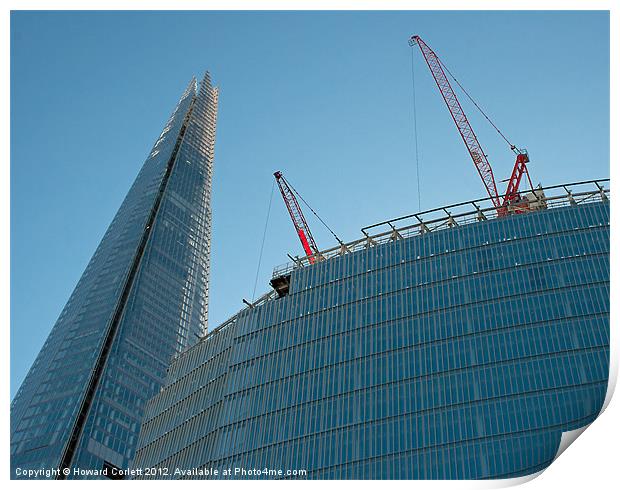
(324, 97)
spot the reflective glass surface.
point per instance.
(459, 354)
(142, 297)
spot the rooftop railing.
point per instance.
(461, 214)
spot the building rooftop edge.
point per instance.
(461, 214)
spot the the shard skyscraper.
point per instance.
(141, 299)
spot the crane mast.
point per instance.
(299, 222)
(512, 190)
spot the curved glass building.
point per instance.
(448, 344)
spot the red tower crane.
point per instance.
(512, 190)
(469, 137)
(299, 222)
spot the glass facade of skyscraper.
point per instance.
(141, 299)
(461, 353)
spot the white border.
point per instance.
(590, 463)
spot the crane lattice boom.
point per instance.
(299, 221)
(460, 119)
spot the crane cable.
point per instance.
(415, 134)
(512, 147)
(314, 212)
(260, 256)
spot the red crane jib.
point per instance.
(299, 221)
(460, 119)
(305, 244)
